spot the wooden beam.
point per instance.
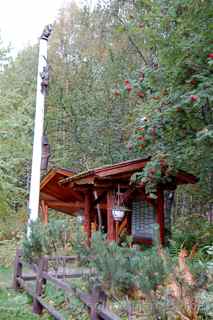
(160, 214)
(47, 178)
(52, 194)
(87, 216)
(63, 204)
(87, 180)
(111, 232)
(73, 206)
(46, 196)
(44, 210)
(87, 188)
(122, 225)
(183, 177)
(64, 173)
(99, 199)
(121, 169)
(75, 195)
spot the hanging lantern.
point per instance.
(118, 214)
(45, 153)
(118, 209)
(80, 217)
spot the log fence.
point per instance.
(41, 275)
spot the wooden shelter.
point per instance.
(94, 194)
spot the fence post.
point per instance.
(98, 298)
(17, 269)
(40, 282)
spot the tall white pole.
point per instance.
(42, 84)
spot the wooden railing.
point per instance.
(40, 274)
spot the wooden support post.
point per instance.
(116, 231)
(94, 303)
(160, 215)
(40, 282)
(111, 230)
(44, 210)
(87, 216)
(17, 269)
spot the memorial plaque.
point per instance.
(143, 220)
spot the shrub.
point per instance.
(123, 269)
(192, 232)
(50, 239)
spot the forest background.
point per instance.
(129, 79)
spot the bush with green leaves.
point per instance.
(50, 239)
(177, 86)
(16, 306)
(192, 231)
(153, 273)
(121, 268)
(79, 244)
(116, 265)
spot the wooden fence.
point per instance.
(95, 300)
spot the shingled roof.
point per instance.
(64, 189)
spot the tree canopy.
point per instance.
(128, 79)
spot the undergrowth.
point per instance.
(14, 305)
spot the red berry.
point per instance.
(141, 25)
(152, 171)
(129, 146)
(194, 98)
(128, 87)
(141, 138)
(210, 55)
(141, 76)
(162, 163)
(154, 133)
(141, 184)
(194, 81)
(140, 129)
(156, 97)
(117, 93)
(140, 94)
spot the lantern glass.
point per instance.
(80, 219)
(118, 214)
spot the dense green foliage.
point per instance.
(171, 284)
(151, 278)
(193, 231)
(129, 79)
(13, 305)
(17, 97)
(138, 71)
(50, 239)
(177, 87)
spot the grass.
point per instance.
(18, 306)
(13, 305)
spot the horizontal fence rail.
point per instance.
(40, 275)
